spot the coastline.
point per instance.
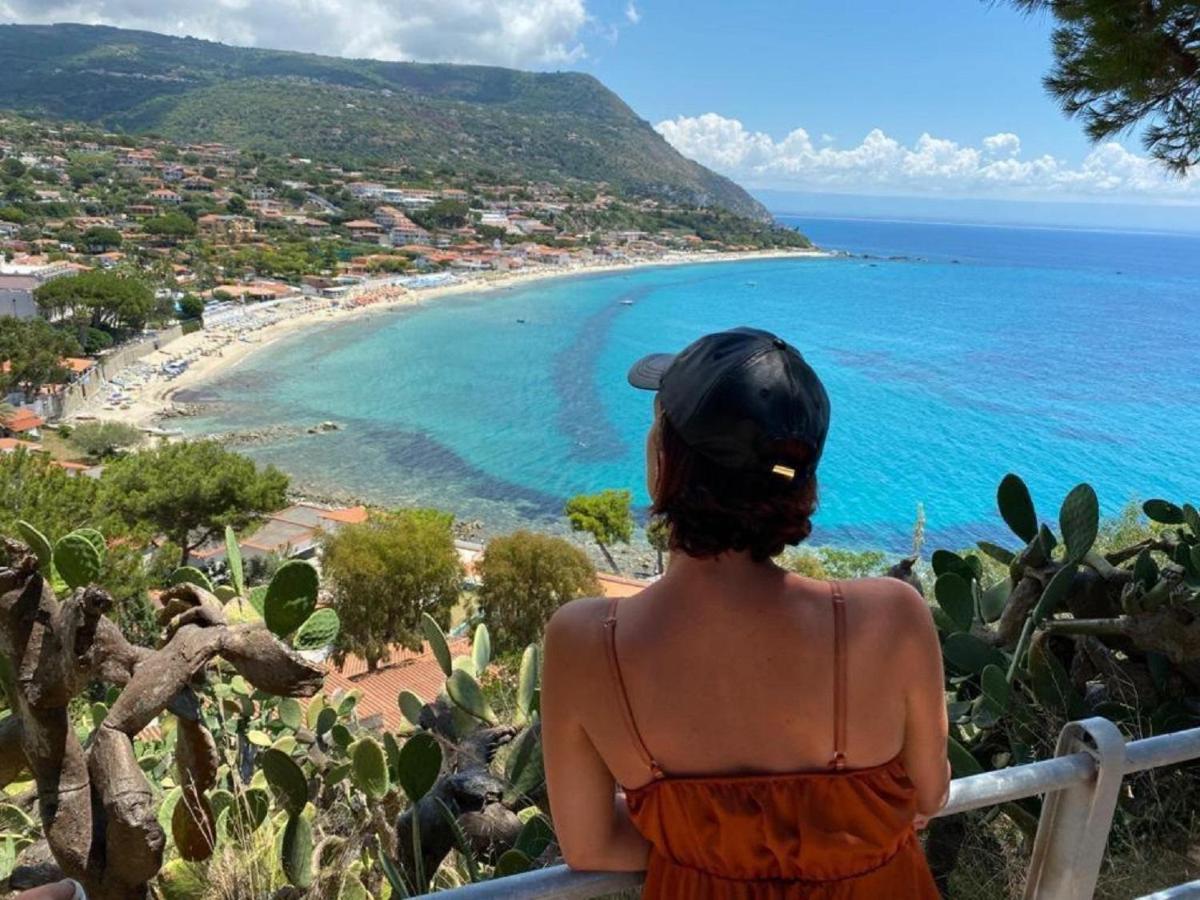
(148, 396)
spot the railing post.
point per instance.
(1073, 830)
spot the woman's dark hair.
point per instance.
(710, 509)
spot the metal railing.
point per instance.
(1082, 781)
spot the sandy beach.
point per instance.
(142, 393)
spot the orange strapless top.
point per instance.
(837, 833)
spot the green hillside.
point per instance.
(552, 126)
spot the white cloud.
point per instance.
(498, 32)
(881, 164)
(632, 14)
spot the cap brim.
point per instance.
(647, 373)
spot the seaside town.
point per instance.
(151, 257)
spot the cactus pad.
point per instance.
(76, 560)
(291, 597)
(969, 654)
(193, 827)
(527, 682)
(468, 696)
(370, 773)
(286, 780)
(318, 631)
(1079, 521)
(39, 544)
(233, 557)
(437, 643)
(1163, 512)
(411, 705)
(419, 765)
(291, 713)
(956, 600)
(191, 575)
(481, 649)
(1016, 507)
(297, 850)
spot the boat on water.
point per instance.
(627, 303)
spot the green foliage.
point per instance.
(100, 238)
(386, 573)
(606, 516)
(524, 578)
(33, 350)
(1007, 620)
(99, 299)
(834, 563)
(1120, 65)
(523, 126)
(444, 214)
(171, 225)
(191, 491)
(103, 440)
(191, 307)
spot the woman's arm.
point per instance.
(590, 818)
(926, 727)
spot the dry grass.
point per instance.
(994, 862)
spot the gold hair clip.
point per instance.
(786, 472)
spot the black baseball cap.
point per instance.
(732, 395)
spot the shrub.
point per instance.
(525, 578)
(102, 440)
(386, 573)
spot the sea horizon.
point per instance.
(976, 354)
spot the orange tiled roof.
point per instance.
(404, 670)
(352, 515)
(8, 445)
(77, 364)
(24, 419)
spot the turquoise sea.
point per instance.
(953, 354)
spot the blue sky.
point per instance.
(939, 100)
(960, 69)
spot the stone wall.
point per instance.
(110, 364)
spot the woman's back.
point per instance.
(740, 677)
(757, 784)
(775, 735)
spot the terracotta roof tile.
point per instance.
(23, 419)
(404, 670)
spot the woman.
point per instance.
(774, 736)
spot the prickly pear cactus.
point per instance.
(291, 597)
(77, 560)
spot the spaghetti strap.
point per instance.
(839, 676)
(610, 625)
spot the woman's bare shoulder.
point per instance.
(577, 621)
(895, 602)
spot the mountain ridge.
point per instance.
(532, 125)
